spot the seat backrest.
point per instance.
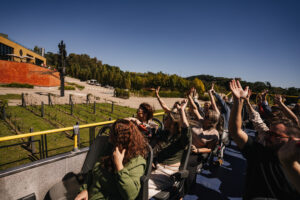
(160, 124)
(186, 155)
(99, 146)
(143, 194)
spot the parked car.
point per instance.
(92, 82)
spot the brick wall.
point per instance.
(14, 72)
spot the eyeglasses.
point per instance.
(276, 135)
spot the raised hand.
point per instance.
(264, 94)
(249, 95)
(182, 105)
(278, 99)
(83, 195)
(181, 108)
(212, 87)
(118, 158)
(191, 92)
(194, 149)
(237, 90)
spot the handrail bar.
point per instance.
(24, 135)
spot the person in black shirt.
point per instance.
(273, 170)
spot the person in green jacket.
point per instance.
(117, 175)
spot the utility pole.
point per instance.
(62, 66)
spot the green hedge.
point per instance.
(143, 93)
(80, 87)
(18, 85)
(162, 93)
(68, 87)
(10, 96)
(170, 93)
(122, 93)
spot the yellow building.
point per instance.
(10, 50)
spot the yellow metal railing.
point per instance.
(13, 137)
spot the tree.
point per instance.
(268, 85)
(198, 84)
(37, 50)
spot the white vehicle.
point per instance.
(92, 82)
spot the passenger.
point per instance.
(144, 120)
(260, 108)
(273, 170)
(164, 105)
(195, 96)
(289, 113)
(265, 105)
(207, 106)
(296, 110)
(225, 114)
(259, 126)
(169, 150)
(117, 175)
(205, 137)
(278, 112)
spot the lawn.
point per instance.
(21, 120)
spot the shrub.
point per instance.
(170, 93)
(3, 103)
(18, 85)
(122, 93)
(80, 87)
(68, 87)
(143, 93)
(10, 96)
(162, 93)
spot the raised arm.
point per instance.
(194, 107)
(181, 109)
(221, 101)
(248, 104)
(235, 121)
(212, 99)
(267, 109)
(254, 117)
(161, 102)
(290, 114)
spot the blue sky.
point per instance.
(255, 40)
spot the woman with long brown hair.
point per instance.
(117, 175)
(143, 120)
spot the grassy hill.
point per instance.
(22, 119)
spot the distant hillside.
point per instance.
(223, 84)
(85, 68)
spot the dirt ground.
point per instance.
(100, 94)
